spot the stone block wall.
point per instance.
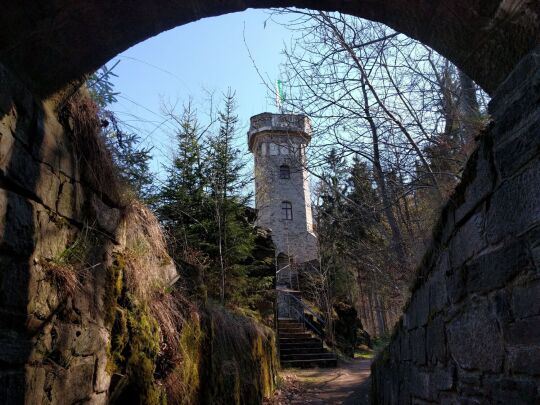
(59, 233)
(471, 330)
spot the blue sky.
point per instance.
(192, 60)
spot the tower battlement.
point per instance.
(288, 123)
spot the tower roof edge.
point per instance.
(293, 124)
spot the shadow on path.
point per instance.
(348, 384)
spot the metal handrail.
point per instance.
(302, 316)
(306, 307)
(305, 320)
(283, 268)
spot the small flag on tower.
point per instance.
(279, 96)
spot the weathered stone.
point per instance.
(102, 377)
(468, 241)
(511, 391)
(16, 223)
(79, 373)
(418, 345)
(98, 399)
(480, 186)
(440, 379)
(35, 381)
(513, 207)
(436, 341)
(525, 299)
(515, 97)
(494, 269)
(533, 239)
(418, 310)
(474, 339)
(53, 150)
(15, 347)
(419, 385)
(405, 346)
(524, 332)
(455, 284)
(107, 218)
(525, 360)
(519, 151)
(501, 299)
(54, 235)
(438, 298)
(14, 283)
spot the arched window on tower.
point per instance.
(284, 172)
(286, 210)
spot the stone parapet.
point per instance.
(289, 123)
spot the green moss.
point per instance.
(119, 341)
(242, 359)
(135, 336)
(144, 348)
(187, 377)
(114, 286)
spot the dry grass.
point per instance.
(146, 251)
(71, 268)
(64, 277)
(94, 158)
(183, 383)
(171, 310)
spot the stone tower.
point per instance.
(282, 196)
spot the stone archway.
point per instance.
(49, 44)
(471, 327)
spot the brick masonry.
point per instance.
(471, 330)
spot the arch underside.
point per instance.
(54, 43)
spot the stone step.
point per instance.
(296, 341)
(301, 346)
(300, 350)
(285, 321)
(309, 363)
(291, 330)
(307, 356)
(295, 335)
(290, 325)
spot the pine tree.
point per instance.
(131, 159)
(234, 235)
(182, 201)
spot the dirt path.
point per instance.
(348, 384)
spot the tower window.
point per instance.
(286, 210)
(284, 172)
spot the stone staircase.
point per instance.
(299, 348)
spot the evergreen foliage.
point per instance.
(203, 206)
(131, 159)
